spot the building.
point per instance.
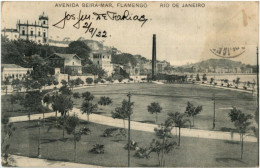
(37, 31)
(11, 34)
(68, 63)
(13, 71)
(102, 59)
(161, 65)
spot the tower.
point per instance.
(43, 19)
(154, 57)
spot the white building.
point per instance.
(13, 71)
(37, 31)
(103, 60)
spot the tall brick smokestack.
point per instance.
(154, 57)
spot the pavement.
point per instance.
(230, 88)
(22, 161)
(105, 120)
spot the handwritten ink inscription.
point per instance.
(88, 24)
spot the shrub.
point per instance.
(142, 153)
(98, 149)
(133, 145)
(110, 132)
(96, 81)
(89, 81)
(84, 131)
(76, 95)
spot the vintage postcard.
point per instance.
(129, 84)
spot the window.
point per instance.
(31, 33)
(72, 63)
(44, 22)
(44, 34)
(15, 36)
(39, 33)
(39, 41)
(23, 32)
(97, 62)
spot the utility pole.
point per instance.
(214, 113)
(129, 97)
(39, 140)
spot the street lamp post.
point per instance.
(39, 139)
(214, 113)
(129, 97)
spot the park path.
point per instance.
(22, 161)
(105, 120)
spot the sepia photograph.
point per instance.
(129, 84)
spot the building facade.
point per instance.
(68, 63)
(13, 71)
(37, 31)
(103, 60)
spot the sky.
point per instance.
(184, 34)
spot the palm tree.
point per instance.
(192, 111)
(178, 120)
(154, 108)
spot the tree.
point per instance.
(198, 77)
(72, 83)
(27, 82)
(6, 82)
(55, 82)
(87, 96)
(13, 100)
(89, 81)
(124, 111)
(16, 84)
(192, 111)
(204, 77)
(211, 80)
(32, 101)
(65, 90)
(76, 95)
(237, 82)
(7, 132)
(81, 49)
(88, 108)
(63, 104)
(241, 123)
(178, 120)
(104, 101)
(64, 83)
(94, 70)
(154, 108)
(79, 82)
(163, 147)
(71, 123)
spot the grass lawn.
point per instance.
(193, 152)
(173, 98)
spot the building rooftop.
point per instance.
(66, 56)
(10, 66)
(9, 30)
